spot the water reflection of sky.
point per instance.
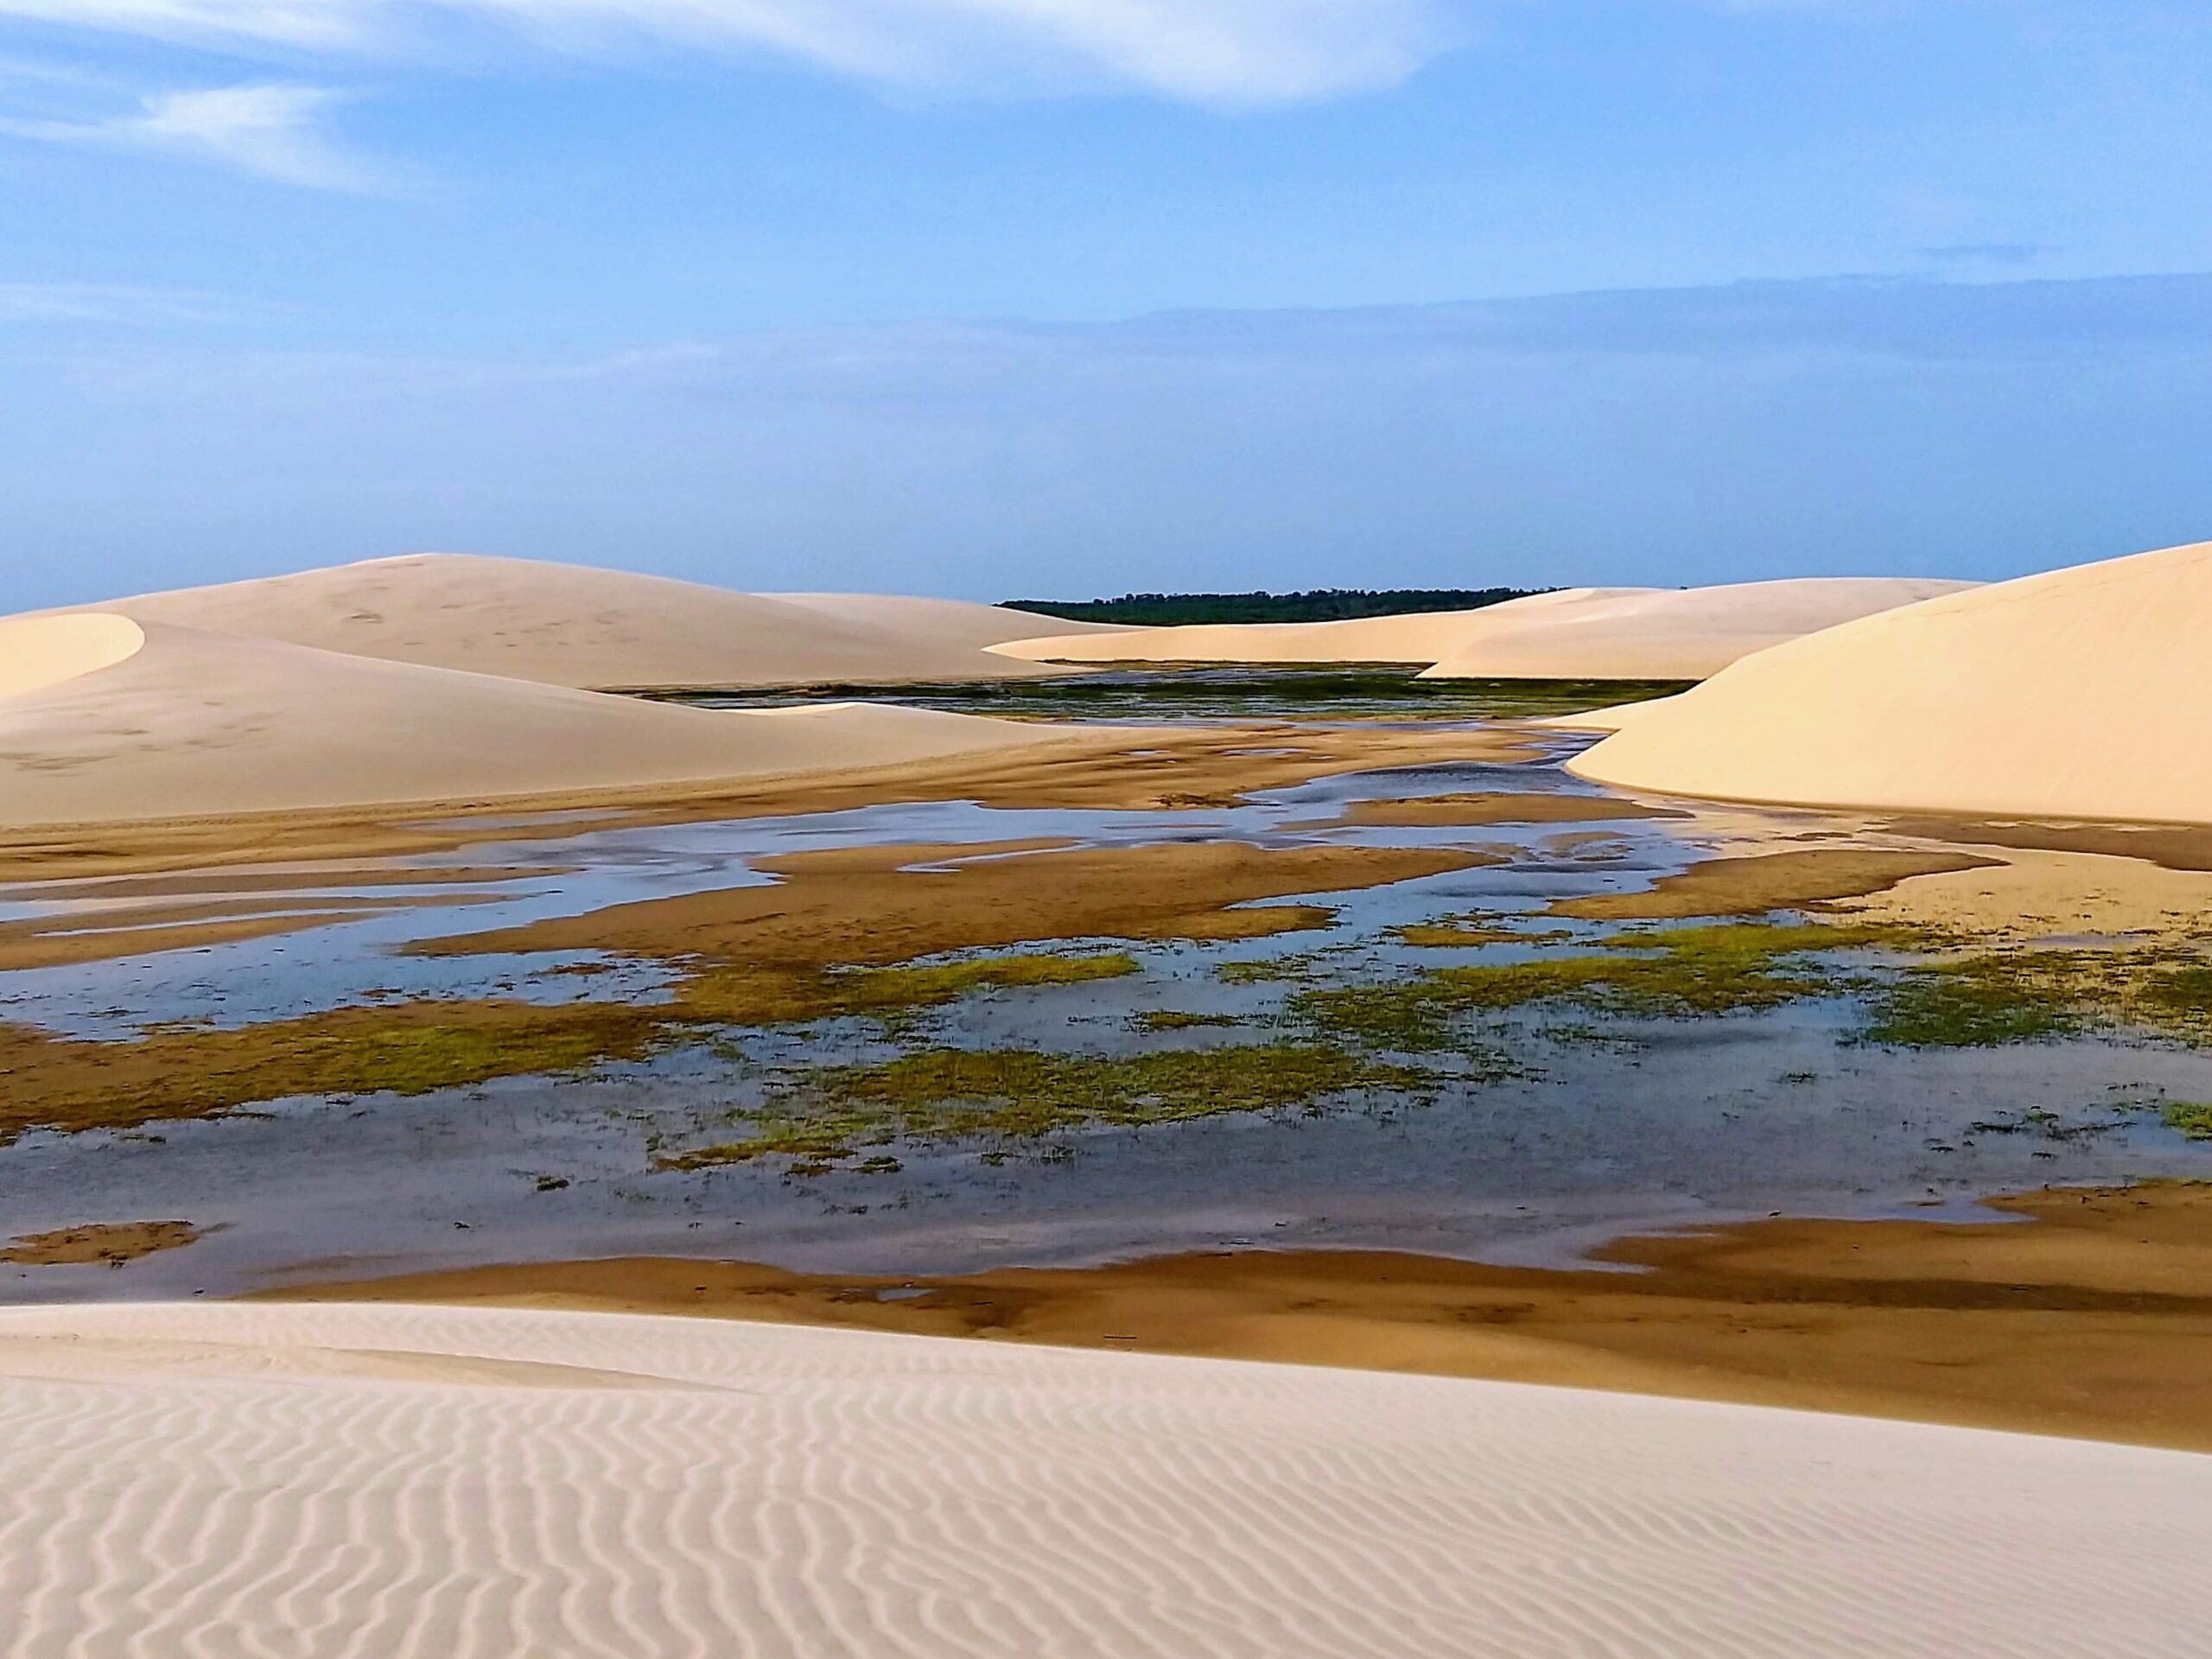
(357, 960)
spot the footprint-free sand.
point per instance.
(2077, 694)
(104, 718)
(577, 625)
(393, 1480)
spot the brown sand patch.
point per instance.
(1141, 768)
(82, 936)
(112, 1242)
(2092, 1321)
(865, 905)
(2176, 847)
(1763, 881)
(1442, 811)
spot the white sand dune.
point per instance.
(1615, 633)
(105, 719)
(571, 624)
(1422, 637)
(2080, 693)
(384, 1482)
(1672, 633)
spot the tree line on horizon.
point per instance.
(1316, 605)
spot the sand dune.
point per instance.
(571, 624)
(104, 719)
(1629, 633)
(1672, 634)
(2077, 694)
(388, 1481)
(1422, 637)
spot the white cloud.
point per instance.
(1216, 51)
(66, 302)
(272, 130)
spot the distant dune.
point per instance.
(571, 624)
(103, 718)
(2081, 693)
(1624, 633)
(358, 1482)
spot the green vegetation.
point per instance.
(1176, 1019)
(2191, 1118)
(830, 1112)
(2021, 995)
(1459, 934)
(1722, 968)
(753, 997)
(1317, 605)
(1974, 1004)
(1268, 970)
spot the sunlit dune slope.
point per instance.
(576, 626)
(2080, 693)
(111, 719)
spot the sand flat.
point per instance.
(2077, 694)
(1599, 634)
(294, 1484)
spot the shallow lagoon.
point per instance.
(1596, 1122)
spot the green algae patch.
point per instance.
(754, 996)
(1980, 1003)
(67, 1084)
(1464, 934)
(830, 1115)
(1178, 1019)
(1268, 970)
(2191, 1118)
(1723, 968)
(2025, 995)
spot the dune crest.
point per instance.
(576, 625)
(194, 723)
(1597, 633)
(2078, 693)
(375, 1480)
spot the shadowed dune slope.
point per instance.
(339, 1481)
(1621, 633)
(191, 723)
(2080, 693)
(571, 624)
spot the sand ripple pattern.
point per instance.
(375, 1483)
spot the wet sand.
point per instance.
(1151, 768)
(1764, 882)
(2083, 1314)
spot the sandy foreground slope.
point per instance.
(388, 1481)
(572, 625)
(1629, 633)
(2078, 693)
(103, 719)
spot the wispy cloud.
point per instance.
(273, 130)
(1217, 51)
(116, 302)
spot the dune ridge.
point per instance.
(186, 722)
(1620, 633)
(2077, 693)
(594, 629)
(385, 1480)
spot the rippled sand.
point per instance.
(393, 1480)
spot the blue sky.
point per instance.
(987, 296)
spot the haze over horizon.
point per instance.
(982, 300)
